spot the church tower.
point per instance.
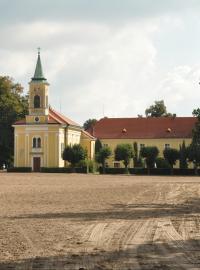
(38, 96)
(41, 137)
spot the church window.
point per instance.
(36, 142)
(39, 143)
(36, 101)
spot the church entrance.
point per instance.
(36, 164)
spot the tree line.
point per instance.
(147, 155)
(14, 106)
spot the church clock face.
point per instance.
(37, 119)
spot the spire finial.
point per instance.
(38, 50)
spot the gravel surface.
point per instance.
(95, 222)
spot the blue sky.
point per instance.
(106, 57)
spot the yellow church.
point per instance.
(41, 137)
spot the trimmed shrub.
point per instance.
(184, 171)
(112, 170)
(64, 170)
(160, 171)
(138, 171)
(162, 163)
(153, 171)
(19, 169)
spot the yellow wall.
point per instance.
(89, 145)
(160, 143)
(52, 138)
(41, 89)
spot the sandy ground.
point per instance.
(93, 222)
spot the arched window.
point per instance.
(34, 143)
(38, 143)
(36, 101)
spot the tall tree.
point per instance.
(124, 152)
(150, 154)
(89, 124)
(13, 106)
(183, 155)
(98, 146)
(157, 110)
(74, 154)
(171, 155)
(103, 154)
(194, 148)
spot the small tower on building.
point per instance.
(41, 137)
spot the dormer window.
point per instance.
(36, 101)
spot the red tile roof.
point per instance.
(53, 118)
(144, 128)
(87, 134)
(20, 122)
(61, 119)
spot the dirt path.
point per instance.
(99, 222)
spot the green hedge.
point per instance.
(138, 171)
(185, 171)
(63, 170)
(19, 169)
(112, 170)
(153, 171)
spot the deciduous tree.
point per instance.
(89, 123)
(98, 146)
(183, 156)
(13, 107)
(74, 154)
(124, 152)
(157, 110)
(171, 155)
(150, 154)
(103, 154)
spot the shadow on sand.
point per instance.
(125, 212)
(175, 255)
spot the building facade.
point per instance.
(41, 137)
(162, 132)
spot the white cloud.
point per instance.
(94, 64)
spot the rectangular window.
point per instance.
(116, 164)
(167, 146)
(105, 145)
(142, 145)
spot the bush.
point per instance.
(153, 171)
(162, 163)
(19, 169)
(90, 164)
(138, 171)
(160, 171)
(74, 154)
(184, 171)
(64, 170)
(112, 170)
